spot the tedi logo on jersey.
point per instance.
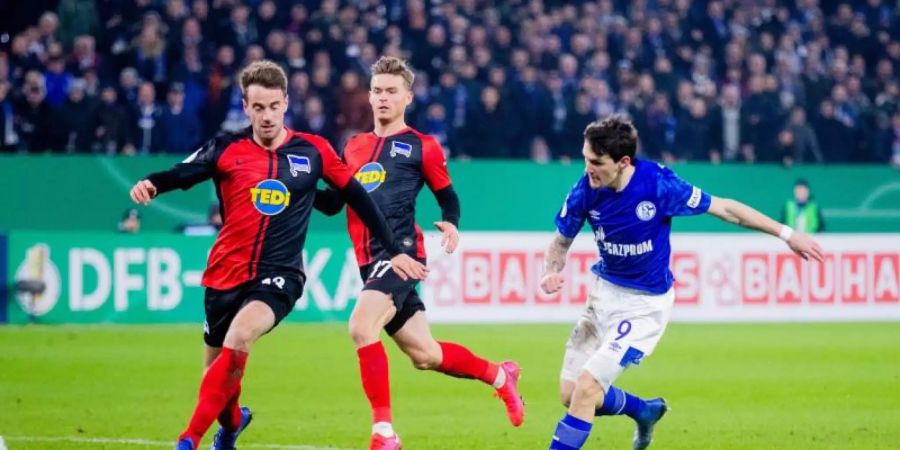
(645, 210)
(371, 176)
(299, 164)
(400, 148)
(270, 197)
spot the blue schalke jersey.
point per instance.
(632, 227)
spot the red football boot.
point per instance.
(380, 442)
(515, 407)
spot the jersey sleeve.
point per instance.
(573, 213)
(198, 166)
(348, 148)
(678, 197)
(434, 165)
(334, 171)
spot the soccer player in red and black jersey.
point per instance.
(265, 178)
(393, 163)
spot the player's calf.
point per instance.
(458, 361)
(588, 393)
(574, 428)
(425, 358)
(566, 388)
(570, 434)
(618, 402)
(221, 383)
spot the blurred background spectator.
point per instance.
(801, 212)
(210, 228)
(131, 222)
(790, 82)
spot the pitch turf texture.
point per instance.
(786, 386)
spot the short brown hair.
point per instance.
(265, 73)
(391, 65)
(614, 136)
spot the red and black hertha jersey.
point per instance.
(266, 198)
(393, 170)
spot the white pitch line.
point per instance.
(148, 442)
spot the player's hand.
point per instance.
(805, 246)
(552, 283)
(449, 236)
(407, 268)
(143, 192)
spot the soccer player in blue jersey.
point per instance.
(629, 204)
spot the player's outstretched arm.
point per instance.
(434, 170)
(448, 201)
(142, 192)
(182, 176)
(197, 167)
(740, 214)
(328, 201)
(357, 198)
(554, 261)
(449, 235)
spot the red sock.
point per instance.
(219, 385)
(460, 362)
(373, 369)
(231, 416)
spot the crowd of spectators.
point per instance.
(803, 81)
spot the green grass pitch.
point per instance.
(786, 386)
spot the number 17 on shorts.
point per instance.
(379, 269)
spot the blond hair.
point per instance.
(390, 65)
(265, 73)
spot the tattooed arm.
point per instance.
(554, 261)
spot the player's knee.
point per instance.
(588, 389)
(426, 359)
(362, 334)
(239, 339)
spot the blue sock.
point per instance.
(617, 401)
(571, 433)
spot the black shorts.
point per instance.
(379, 276)
(279, 292)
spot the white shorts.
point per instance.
(619, 327)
